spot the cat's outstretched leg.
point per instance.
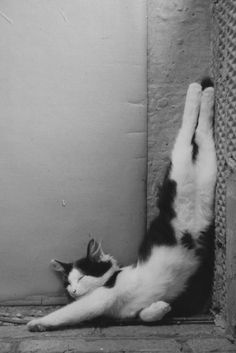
(206, 167)
(88, 307)
(206, 160)
(154, 312)
(182, 152)
(191, 112)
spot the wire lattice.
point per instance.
(224, 69)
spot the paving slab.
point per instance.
(207, 345)
(137, 332)
(113, 338)
(5, 347)
(99, 345)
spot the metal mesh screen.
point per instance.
(224, 70)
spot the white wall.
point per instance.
(72, 135)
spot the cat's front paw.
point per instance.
(36, 325)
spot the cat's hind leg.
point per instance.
(191, 112)
(182, 152)
(183, 169)
(156, 311)
(206, 167)
(206, 159)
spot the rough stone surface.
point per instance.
(211, 345)
(178, 53)
(99, 345)
(185, 338)
(5, 347)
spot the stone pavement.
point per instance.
(175, 338)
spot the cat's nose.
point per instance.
(74, 291)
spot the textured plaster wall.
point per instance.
(73, 135)
(179, 52)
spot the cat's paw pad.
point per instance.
(36, 326)
(155, 311)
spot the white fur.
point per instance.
(147, 288)
(196, 181)
(162, 278)
(159, 279)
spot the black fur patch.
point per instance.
(196, 297)
(112, 280)
(65, 281)
(207, 82)
(93, 268)
(187, 241)
(65, 274)
(206, 243)
(67, 267)
(161, 231)
(195, 149)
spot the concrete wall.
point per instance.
(179, 52)
(73, 135)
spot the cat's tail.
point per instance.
(206, 82)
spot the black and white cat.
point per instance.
(174, 264)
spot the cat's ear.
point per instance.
(94, 250)
(59, 266)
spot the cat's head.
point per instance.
(88, 273)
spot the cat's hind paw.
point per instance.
(36, 326)
(155, 311)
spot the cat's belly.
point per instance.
(193, 214)
(161, 278)
(133, 305)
